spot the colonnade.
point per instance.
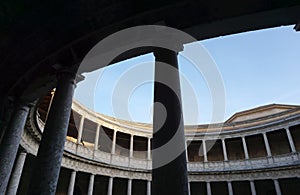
(110, 185)
(16, 175)
(114, 140)
(251, 183)
(245, 145)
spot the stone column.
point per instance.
(10, 142)
(48, 161)
(245, 148)
(267, 145)
(96, 143)
(290, 138)
(224, 150)
(189, 188)
(91, 185)
(186, 153)
(72, 183)
(149, 149)
(230, 191)
(131, 146)
(129, 187)
(16, 174)
(252, 186)
(110, 186)
(80, 130)
(148, 187)
(169, 169)
(113, 148)
(6, 108)
(277, 187)
(204, 150)
(208, 188)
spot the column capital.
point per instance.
(23, 103)
(22, 150)
(297, 27)
(157, 51)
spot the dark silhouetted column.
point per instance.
(16, 175)
(169, 170)
(49, 157)
(10, 142)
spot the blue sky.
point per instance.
(257, 68)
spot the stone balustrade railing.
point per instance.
(290, 159)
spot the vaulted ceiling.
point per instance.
(35, 35)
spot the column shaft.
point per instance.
(277, 187)
(224, 150)
(91, 185)
(48, 161)
(204, 150)
(208, 188)
(131, 146)
(97, 137)
(72, 183)
(290, 138)
(230, 191)
(189, 188)
(110, 186)
(169, 169)
(252, 186)
(186, 153)
(149, 149)
(129, 187)
(16, 174)
(148, 187)
(245, 148)
(80, 130)
(267, 145)
(10, 142)
(113, 148)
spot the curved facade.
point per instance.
(254, 152)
